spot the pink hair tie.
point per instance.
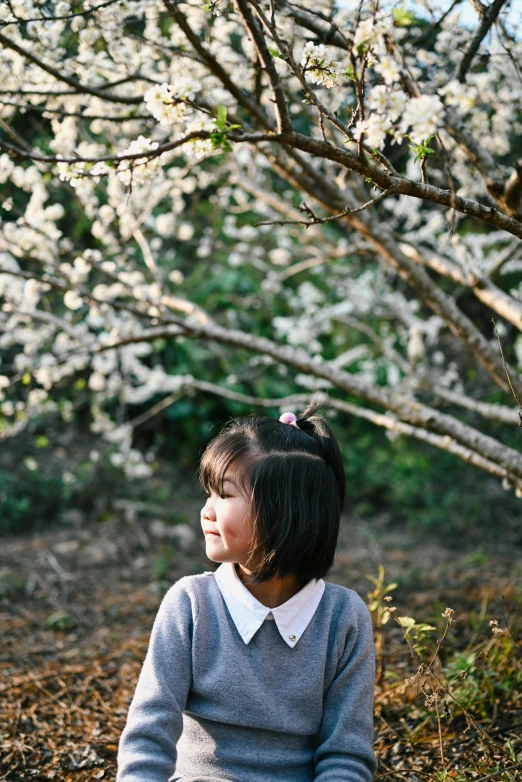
(288, 418)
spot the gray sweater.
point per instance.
(210, 708)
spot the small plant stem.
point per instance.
(379, 651)
(439, 645)
(508, 627)
(440, 732)
(485, 650)
(464, 710)
(424, 175)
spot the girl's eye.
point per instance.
(224, 496)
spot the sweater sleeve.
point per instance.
(147, 748)
(345, 746)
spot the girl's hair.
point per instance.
(295, 481)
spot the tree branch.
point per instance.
(407, 410)
(495, 175)
(496, 412)
(214, 66)
(283, 118)
(45, 110)
(85, 12)
(488, 20)
(406, 186)
(78, 87)
(439, 302)
(482, 287)
(443, 442)
(501, 413)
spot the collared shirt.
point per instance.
(292, 618)
(283, 712)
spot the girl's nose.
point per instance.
(208, 510)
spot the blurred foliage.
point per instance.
(28, 496)
(411, 482)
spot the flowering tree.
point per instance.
(328, 195)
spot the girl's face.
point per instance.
(227, 515)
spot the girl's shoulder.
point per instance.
(187, 583)
(346, 601)
(187, 586)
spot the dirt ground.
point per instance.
(77, 603)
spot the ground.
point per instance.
(78, 600)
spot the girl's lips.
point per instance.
(214, 534)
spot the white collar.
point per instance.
(292, 618)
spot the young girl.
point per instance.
(260, 671)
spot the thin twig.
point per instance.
(498, 773)
(507, 373)
(317, 220)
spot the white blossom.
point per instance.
(96, 381)
(374, 130)
(371, 32)
(319, 65)
(72, 301)
(388, 68)
(199, 147)
(168, 102)
(462, 96)
(280, 256)
(421, 117)
(165, 224)
(141, 169)
(7, 408)
(71, 172)
(363, 34)
(31, 463)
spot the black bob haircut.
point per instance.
(294, 479)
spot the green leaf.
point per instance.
(42, 441)
(421, 150)
(221, 117)
(219, 140)
(274, 53)
(60, 620)
(402, 17)
(406, 621)
(349, 72)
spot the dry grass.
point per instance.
(77, 607)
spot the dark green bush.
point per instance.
(29, 498)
